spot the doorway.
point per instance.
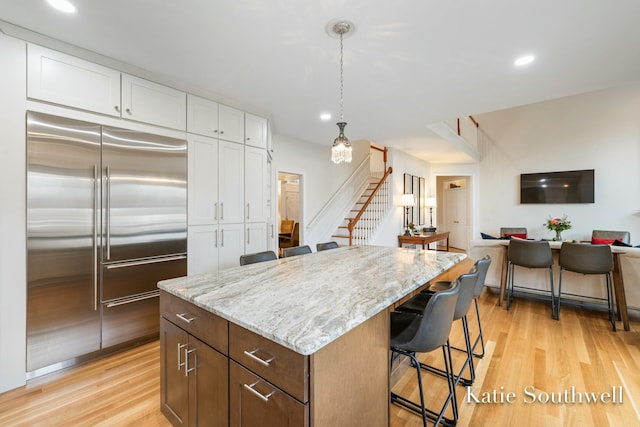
(289, 209)
(454, 194)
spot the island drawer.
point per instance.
(279, 365)
(256, 402)
(200, 323)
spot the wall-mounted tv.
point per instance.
(557, 187)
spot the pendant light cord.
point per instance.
(341, 80)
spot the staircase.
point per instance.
(371, 207)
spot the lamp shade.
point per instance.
(408, 200)
(430, 202)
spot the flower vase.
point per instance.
(558, 237)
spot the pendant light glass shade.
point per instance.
(341, 150)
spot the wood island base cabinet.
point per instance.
(216, 373)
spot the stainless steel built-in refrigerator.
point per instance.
(106, 220)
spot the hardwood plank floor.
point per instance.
(526, 351)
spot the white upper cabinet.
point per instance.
(202, 116)
(255, 131)
(230, 124)
(149, 102)
(203, 180)
(66, 80)
(256, 185)
(63, 79)
(231, 182)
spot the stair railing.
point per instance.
(377, 216)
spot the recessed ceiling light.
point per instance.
(325, 116)
(524, 60)
(62, 5)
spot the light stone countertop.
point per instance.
(308, 301)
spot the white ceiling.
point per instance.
(409, 63)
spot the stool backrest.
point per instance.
(467, 283)
(482, 265)
(296, 250)
(326, 245)
(435, 322)
(586, 258)
(529, 253)
(257, 257)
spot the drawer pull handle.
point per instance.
(257, 393)
(182, 316)
(257, 359)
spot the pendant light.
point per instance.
(341, 150)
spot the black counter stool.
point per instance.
(588, 259)
(413, 333)
(529, 254)
(482, 265)
(296, 250)
(325, 246)
(467, 283)
(257, 257)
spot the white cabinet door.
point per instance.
(230, 124)
(231, 245)
(231, 182)
(202, 116)
(203, 180)
(202, 249)
(255, 237)
(256, 184)
(149, 102)
(255, 131)
(63, 79)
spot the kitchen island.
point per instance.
(301, 341)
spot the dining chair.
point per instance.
(257, 257)
(520, 232)
(609, 236)
(413, 333)
(296, 250)
(588, 259)
(529, 254)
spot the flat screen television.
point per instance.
(557, 187)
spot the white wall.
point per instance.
(598, 130)
(320, 176)
(13, 279)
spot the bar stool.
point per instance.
(325, 246)
(482, 265)
(588, 259)
(467, 283)
(413, 333)
(530, 254)
(257, 257)
(296, 250)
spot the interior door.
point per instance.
(455, 200)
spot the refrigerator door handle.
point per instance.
(108, 213)
(95, 237)
(146, 261)
(141, 297)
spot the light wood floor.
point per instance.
(525, 349)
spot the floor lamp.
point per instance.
(430, 202)
(408, 201)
